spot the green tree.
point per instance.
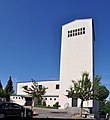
(104, 92)
(9, 89)
(85, 89)
(107, 106)
(104, 107)
(1, 90)
(35, 92)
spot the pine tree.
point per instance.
(9, 89)
(1, 90)
(1, 87)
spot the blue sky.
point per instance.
(30, 37)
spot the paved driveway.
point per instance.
(50, 113)
(56, 113)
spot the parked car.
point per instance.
(8, 109)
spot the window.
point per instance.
(57, 86)
(50, 98)
(15, 106)
(54, 98)
(45, 98)
(83, 32)
(5, 106)
(76, 32)
(74, 102)
(83, 28)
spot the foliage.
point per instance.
(104, 107)
(9, 89)
(1, 90)
(107, 106)
(44, 103)
(1, 87)
(85, 89)
(103, 93)
(56, 105)
(35, 91)
(42, 106)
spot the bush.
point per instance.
(49, 106)
(44, 103)
(56, 105)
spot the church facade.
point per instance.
(77, 56)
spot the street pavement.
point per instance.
(50, 113)
(55, 113)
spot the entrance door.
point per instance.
(74, 102)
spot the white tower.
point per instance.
(76, 57)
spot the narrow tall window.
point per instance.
(57, 86)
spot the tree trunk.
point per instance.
(32, 103)
(81, 108)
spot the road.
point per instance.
(55, 113)
(50, 113)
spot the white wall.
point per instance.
(52, 94)
(50, 100)
(76, 56)
(18, 99)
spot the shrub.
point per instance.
(44, 103)
(48, 106)
(56, 105)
